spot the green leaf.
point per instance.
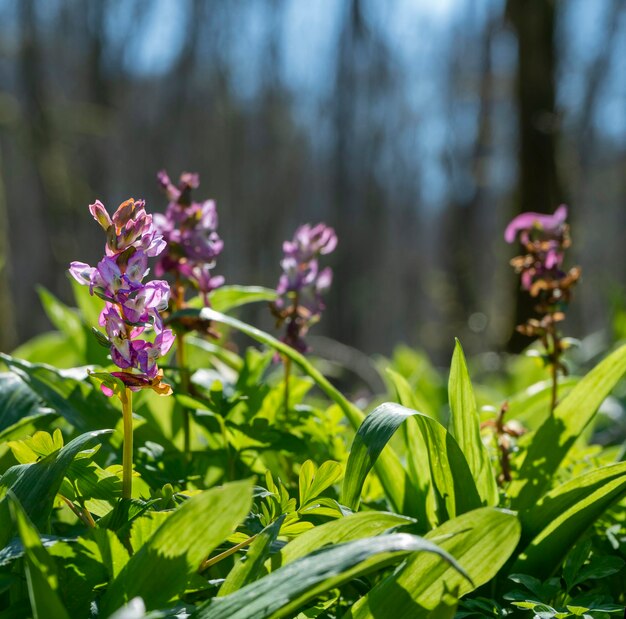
(90, 305)
(324, 477)
(481, 541)
(394, 479)
(418, 460)
(552, 527)
(355, 526)
(373, 434)
(41, 573)
(249, 568)
(64, 318)
(67, 392)
(35, 485)
(558, 433)
(465, 427)
(110, 551)
(160, 569)
(227, 298)
(18, 405)
(454, 486)
(282, 592)
(51, 347)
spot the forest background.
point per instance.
(416, 129)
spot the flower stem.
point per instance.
(287, 364)
(127, 454)
(207, 563)
(184, 383)
(555, 354)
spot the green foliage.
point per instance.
(282, 592)
(481, 541)
(306, 506)
(559, 432)
(161, 566)
(40, 568)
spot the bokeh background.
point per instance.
(417, 128)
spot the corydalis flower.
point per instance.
(545, 239)
(132, 307)
(190, 230)
(302, 283)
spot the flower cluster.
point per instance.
(190, 231)
(545, 239)
(302, 283)
(132, 307)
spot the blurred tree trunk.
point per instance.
(343, 323)
(539, 186)
(8, 331)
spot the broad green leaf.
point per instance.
(481, 541)
(160, 569)
(197, 350)
(94, 482)
(559, 432)
(454, 486)
(35, 485)
(41, 573)
(394, 479)
(67, 392)
(369, 441)
(282, 592)
(355, 526)
(465, 427)
(552, 527)
(19, 405)
(226, 298)
(64, 318)
(107, 547)
(90, 305)
(51, 347)
(248, 569)
(418, 462)
(144, 527)
(16, 400)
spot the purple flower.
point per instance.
(187, 182)
(302, 284)
(545, 239)
(81, 272)
(147, 353)
(309, 242)
(147, 301)
(132, 307)
(529, 222)
(190, 231)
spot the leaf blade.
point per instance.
(414, 591)
(159, 570)
(557, 434)
(465, 425)
(552, 526)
